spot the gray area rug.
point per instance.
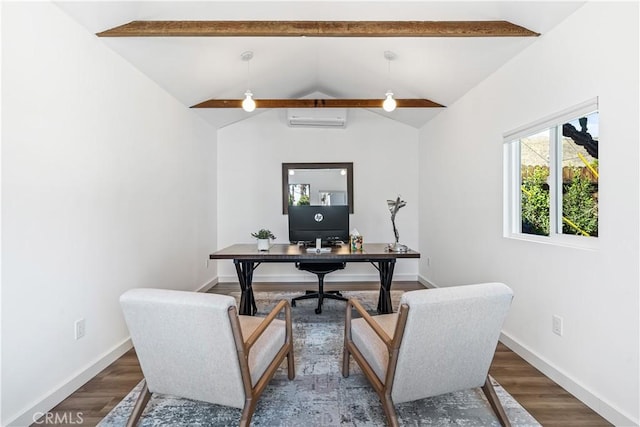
(319, 395)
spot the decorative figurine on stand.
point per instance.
(394, 207)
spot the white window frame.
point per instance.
(512, 179)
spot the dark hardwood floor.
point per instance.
(549, 403)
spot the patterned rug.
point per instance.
(319, 395)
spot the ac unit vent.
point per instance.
(317, 117)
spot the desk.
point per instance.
(246, 258)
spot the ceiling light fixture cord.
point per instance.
(389, 74)
(248, 74)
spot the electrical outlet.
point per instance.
(428, 262)
(556, 325)
(79, 328)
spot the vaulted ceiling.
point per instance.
(199, 67)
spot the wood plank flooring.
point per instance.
(549, 403)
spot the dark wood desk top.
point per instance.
(294, 253)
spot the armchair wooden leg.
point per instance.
(291, 368)
(347, 340)
(497, 407)
(247, 412)
(141, 403)
(389, 410)
(345, 362)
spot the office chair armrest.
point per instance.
(370, 321)
(282, 305)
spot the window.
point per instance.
(299, 194)
(551, 178)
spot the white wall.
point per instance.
(385, 163)
(593, 53)
(107, 184)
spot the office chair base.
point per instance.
(320, 270)
(336, 295)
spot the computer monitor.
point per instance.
(329, 223)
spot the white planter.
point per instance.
(263, 244)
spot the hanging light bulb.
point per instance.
(248, 104)
(389, 103)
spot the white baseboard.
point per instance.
(589, 398)
(46, 403)
(208, 285)
(424, 281)
(306, 277)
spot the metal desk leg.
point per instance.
(385, 267)
(244, 269)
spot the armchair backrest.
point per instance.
(449, 339)
(185, 344)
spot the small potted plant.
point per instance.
(263, 236)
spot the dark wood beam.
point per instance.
(318, 29)
(318, 103)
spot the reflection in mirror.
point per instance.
(333, 198)
(298, 194)
(317, 184)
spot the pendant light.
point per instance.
(248, 104)
(389, 104)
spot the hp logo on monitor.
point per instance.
(318, 217)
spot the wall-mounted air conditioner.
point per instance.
(317, 117)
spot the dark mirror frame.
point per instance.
(285, 180)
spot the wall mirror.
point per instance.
(317, 184)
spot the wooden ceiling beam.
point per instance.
(318, 103)
(318, 29)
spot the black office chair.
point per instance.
(320, 269)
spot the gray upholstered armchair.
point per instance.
(194, 345)
(440, 341)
